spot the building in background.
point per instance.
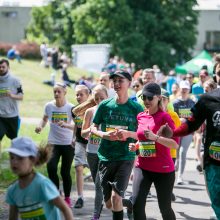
(208, 28)
(14, 18)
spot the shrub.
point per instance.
(26, 49)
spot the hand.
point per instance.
(150, 135)
(132, 147)
(165, 131)
(62, 124)
(122, 134)
(38, 129)
(111, 135)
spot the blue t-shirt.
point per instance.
(197, 90)
(34, 201)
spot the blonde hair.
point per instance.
(100, 87)
(82, 87)
(80, 109)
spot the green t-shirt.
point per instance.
(112, 115)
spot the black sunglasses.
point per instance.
(136, 86)
(149, 98)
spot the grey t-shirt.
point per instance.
(9, 106)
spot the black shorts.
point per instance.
(9, 127)
(114, 175)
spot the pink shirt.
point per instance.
(162, 162)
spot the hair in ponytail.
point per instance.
(44, 154)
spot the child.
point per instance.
(82, 94)
(99, 93)
(32, 196)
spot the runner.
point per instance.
(82, 95)
(116, 161)
(208, 108)
(182, 106)
(32, 196)
(58, 112)
(99, 93)
(10, 93)
(154, 163)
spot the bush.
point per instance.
(27, 50)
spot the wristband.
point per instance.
(158, 136)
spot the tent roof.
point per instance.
(196, 64)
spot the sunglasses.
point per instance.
(149, 98)
(136, 86)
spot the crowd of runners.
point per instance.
(135, 126)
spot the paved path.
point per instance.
(192, 202)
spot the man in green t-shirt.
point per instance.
(116, 161)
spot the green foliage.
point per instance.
(144, 32)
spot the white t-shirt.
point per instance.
(58, 135)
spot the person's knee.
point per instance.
(116, 200)
(79, 169)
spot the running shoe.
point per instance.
(79, 203)
(199, 168)
(173, 197)
(68, 202)
(179, 181)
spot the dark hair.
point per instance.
(4, 61)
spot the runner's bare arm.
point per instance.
(42, 124)
(60, 203)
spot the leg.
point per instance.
(93, 162)
(212, 177)
(52, 166)
(184, 146)
(165, 181)
(67, 159)
(140, 188)
(80, 163)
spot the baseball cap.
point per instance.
(164, 93)
(151, 89)
(23, 147)
(121, 73)
(184, 84)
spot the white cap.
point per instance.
(184, 84)
(23, 147)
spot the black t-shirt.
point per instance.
(183, 107)
(78, 123)
(208, 108)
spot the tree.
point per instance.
(53, 24)
(145, 32)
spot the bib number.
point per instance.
(147, 149)
(214, 151)
(114, 127)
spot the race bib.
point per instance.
(214, 150)
(94, 139)
(78, 121)
(4, 92)
(185, 113)
(36, 214)
(59, 116)
(114, 127)
(147, 149)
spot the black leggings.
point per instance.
(163, 183)
(67, 154)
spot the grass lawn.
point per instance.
(37, 94)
